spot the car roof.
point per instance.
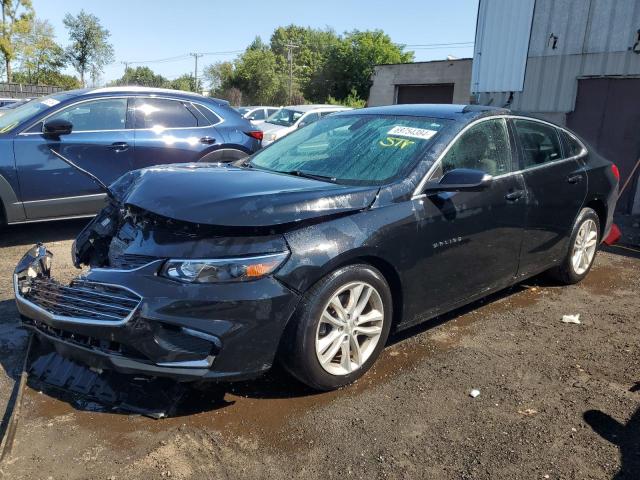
(309, 108)
(444, 111)
(144, 90)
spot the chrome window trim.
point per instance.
(77, 320)
(134, 96)
(416, 193)
(164, 129)
(91, 195)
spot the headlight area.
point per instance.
(233, 269)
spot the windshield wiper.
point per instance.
(313, 176)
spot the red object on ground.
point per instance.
(614, 235)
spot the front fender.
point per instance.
(13, 208)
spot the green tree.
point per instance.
(256, 76)
(56, 79)
(142, 76)
(41, 58)
(219, 76)
(186, 82)
(351, 62)
(310, 54)
(17, 16)
(90, 49)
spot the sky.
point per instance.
(148, 30)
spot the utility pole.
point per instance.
(290, 47)
(196, 56)
(126, 66)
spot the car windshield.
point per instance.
(285, 117)
(353, 149)
(15, 117)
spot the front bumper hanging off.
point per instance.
(134, 321)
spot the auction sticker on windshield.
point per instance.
(421, 133)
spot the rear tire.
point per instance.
(583, 247)
(339, 329)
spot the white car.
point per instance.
(288, 119)
(257, 114)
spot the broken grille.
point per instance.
(83, 300)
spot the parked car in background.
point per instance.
(288, 119)
(257, 115)
(12, 105)
(8, 101)
(315, 248)
(107, 131)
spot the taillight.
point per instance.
(615, 171)
(257, 134)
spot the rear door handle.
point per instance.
(515, 195)
(574, 178)
(208, 140)
(119, 146)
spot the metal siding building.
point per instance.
(570, 46)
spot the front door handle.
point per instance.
(574, 178)
(513, 196)
(208, 140)
(119, 146)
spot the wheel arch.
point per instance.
(224, 154)
(599, 206)
(385, 267)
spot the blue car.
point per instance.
(107, 132)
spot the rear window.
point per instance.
(573, 147)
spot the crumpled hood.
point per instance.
(236, 197)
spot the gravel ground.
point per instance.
(556, 400)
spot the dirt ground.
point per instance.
(556, 401)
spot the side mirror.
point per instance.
(460, 180)
(54, 128)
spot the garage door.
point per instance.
(441, 93)
(607, 116)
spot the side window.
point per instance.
(573, 147)
(211, 117)
(257, 115)
(163, 113)
(484, 146)
(540, 143)
(104, 114)
(311, 117)
(271, 111)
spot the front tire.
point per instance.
(583, 246)
(339, 329)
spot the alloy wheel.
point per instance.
(350, 328)
(584, 247)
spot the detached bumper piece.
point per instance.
(156, 398)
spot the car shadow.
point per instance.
(28, 233)
(629, 251)
(625, 436)
(203, 397)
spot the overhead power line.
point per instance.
(181, 57)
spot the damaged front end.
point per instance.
(129, 314)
